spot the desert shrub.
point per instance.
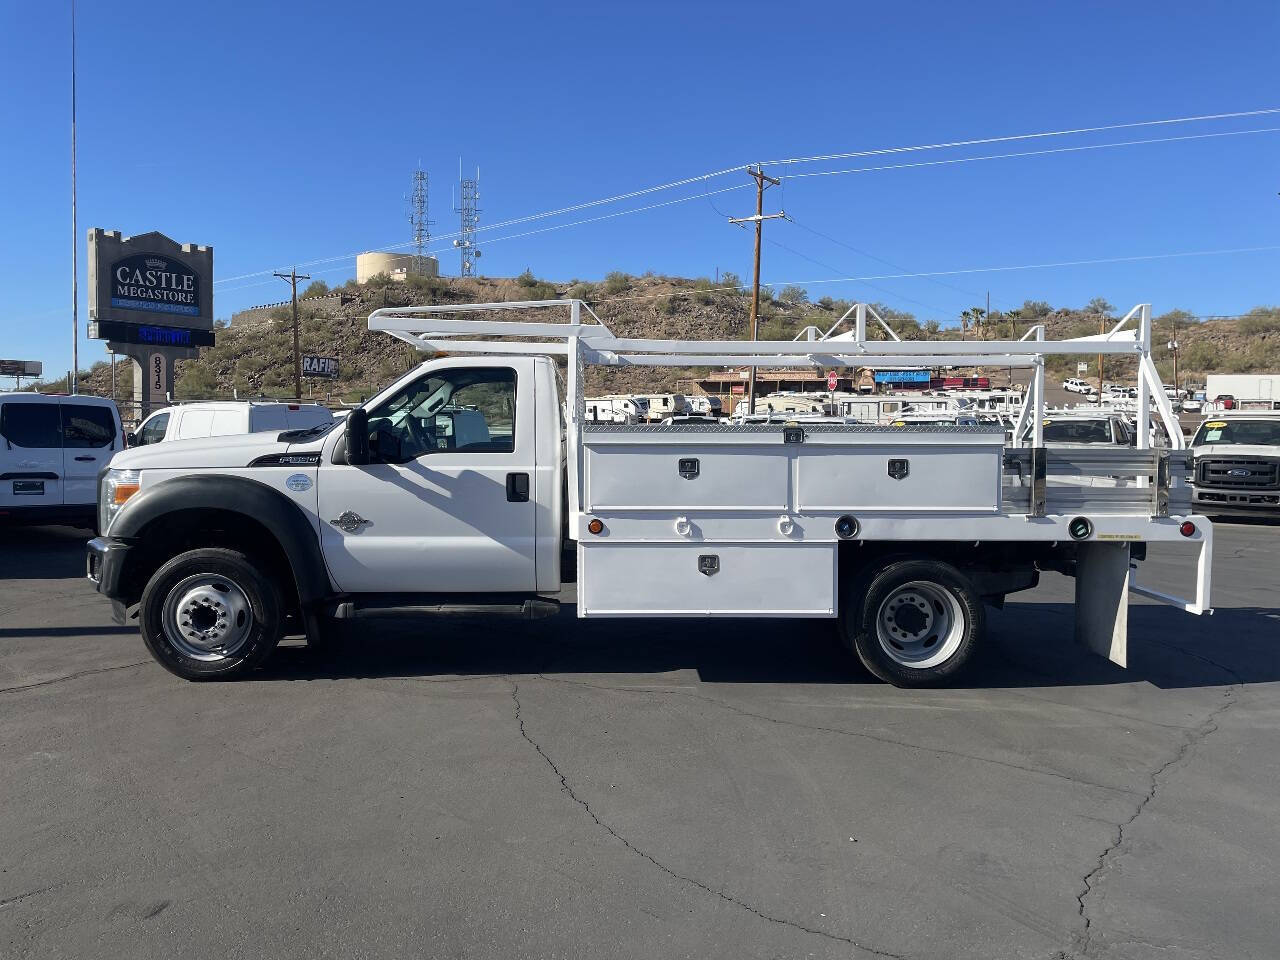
(794, 294)
(615, 282)
(581, 291)
(316, 288)
(1260, 320)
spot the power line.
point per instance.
(784, 178)
(1026, 153)
(1045, 266)
(884, 290)
(872, 256)
(794, 160)
(947, 145)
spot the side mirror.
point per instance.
(356, 434)
(130, 439)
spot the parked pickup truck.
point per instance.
(1237, 464)
(470, 484)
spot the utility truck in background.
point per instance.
(474, 485)
(1243, 391)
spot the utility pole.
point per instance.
(292, 277)
(73, 379)
(761, 178)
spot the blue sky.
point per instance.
(283, 133)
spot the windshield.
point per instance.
(1263, 433)
(1077, 431)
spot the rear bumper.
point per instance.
(104, 565)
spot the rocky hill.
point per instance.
(255, 358)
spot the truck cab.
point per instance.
(454, 496)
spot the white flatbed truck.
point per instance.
(902, 534)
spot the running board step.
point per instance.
(534, 608)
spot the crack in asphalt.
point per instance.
(564, 785)
(72, 676)
(940, 751)
(1208, 726)
(9, 901)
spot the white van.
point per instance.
(224, 418)
(51, 449)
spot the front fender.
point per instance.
(282, 518)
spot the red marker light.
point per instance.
(1187, 528)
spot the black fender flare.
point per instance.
(282, 518)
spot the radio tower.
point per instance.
(469, 216)
(418, 220)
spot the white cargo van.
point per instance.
(51, 449)
(224, 418)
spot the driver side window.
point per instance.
(461, 410)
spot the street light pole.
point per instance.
(1173, 345)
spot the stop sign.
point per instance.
(831, 381)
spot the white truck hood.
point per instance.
(1234, 450)
(237, 450)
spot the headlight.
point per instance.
(117, 487)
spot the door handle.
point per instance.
(517, 488)
(86, 459)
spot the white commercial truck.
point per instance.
(902, 534)
(1245, 390)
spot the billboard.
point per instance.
(21, 368)
(901, 376)
(323, 367)
(150, 279)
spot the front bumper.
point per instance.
(1246, 503)
(105, 560)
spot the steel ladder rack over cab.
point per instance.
(456, 490)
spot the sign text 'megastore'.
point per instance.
(156, 284)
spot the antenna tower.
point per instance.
(468, 217)
(418, 220)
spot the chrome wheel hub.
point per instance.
(207, 617)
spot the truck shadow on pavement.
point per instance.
(42, 553)
(1029, 645)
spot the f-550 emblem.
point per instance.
(349, 521)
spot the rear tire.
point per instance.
(913, 623)
(210, 614)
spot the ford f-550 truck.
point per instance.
(474, 482)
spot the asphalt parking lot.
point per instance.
(643, 788)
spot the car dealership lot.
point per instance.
(642, 788)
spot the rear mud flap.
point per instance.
(1102, 599)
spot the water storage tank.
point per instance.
(395, 265)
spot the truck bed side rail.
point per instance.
(1042, 481)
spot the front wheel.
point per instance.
(917, 624)
(210, 614)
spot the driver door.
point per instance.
(449, 507)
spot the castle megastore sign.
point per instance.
(150, 279)
(155, 284)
